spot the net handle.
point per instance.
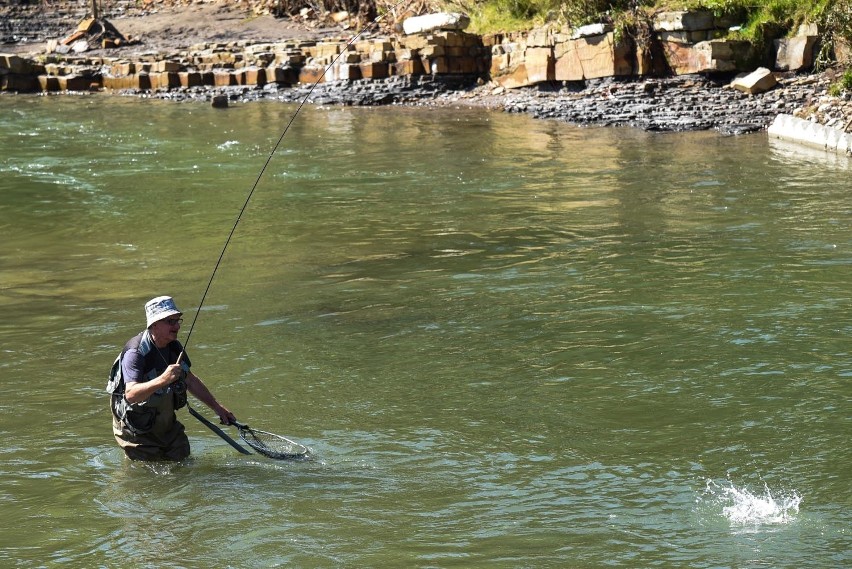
(217, 430)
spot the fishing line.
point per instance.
(372, 24)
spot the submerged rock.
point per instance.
(220, 102)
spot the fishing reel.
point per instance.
(179, 390)
(179, 386)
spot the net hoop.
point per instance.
(272, 445)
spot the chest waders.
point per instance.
(149, 430)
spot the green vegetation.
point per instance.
(761, 20)
(494, 15)
(836, 20)
(842, 84)
(511, 15)
(756, 21)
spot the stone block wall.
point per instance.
(254, 64)
(683, 43)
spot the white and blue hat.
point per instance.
(158, 308)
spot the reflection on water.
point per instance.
(508, 342)
(806, 157)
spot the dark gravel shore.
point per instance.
(659, 104)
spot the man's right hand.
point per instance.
(173, 373)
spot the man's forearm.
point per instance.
(199, 390)
(136, 392)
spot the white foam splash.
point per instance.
(741, 507)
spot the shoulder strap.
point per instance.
(115, 385)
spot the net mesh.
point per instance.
(272, 445)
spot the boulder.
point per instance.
(592, 58)
(843, 51)
(15, 64)
(433, 22)
(374, 70)
(540, 37)
(684, 21)
(539, 65)
(809, 29)
(514, 78)
(19, 83)
(590, 30)
(758, 81)
(795, 54)
(707, 56)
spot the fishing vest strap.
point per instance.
(139, 418)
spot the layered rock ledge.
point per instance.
(683, 78)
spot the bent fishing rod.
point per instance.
(268, 444)
(304, 100)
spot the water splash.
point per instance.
(741, 507)
(227, 144)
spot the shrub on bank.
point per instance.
(764, 20)
(842, 85)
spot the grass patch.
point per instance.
(510, 15)
(843, 84)
(760, 17)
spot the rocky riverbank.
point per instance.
(671, 104)
(698, 101)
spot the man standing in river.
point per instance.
(148, 383)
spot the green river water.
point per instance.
(508, 342)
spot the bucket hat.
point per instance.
(158, 308)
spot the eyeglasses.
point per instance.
(173, 321)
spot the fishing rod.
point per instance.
(304, 100)
(268, 444)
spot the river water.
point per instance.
(508, 342)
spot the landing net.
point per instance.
(272, 445)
